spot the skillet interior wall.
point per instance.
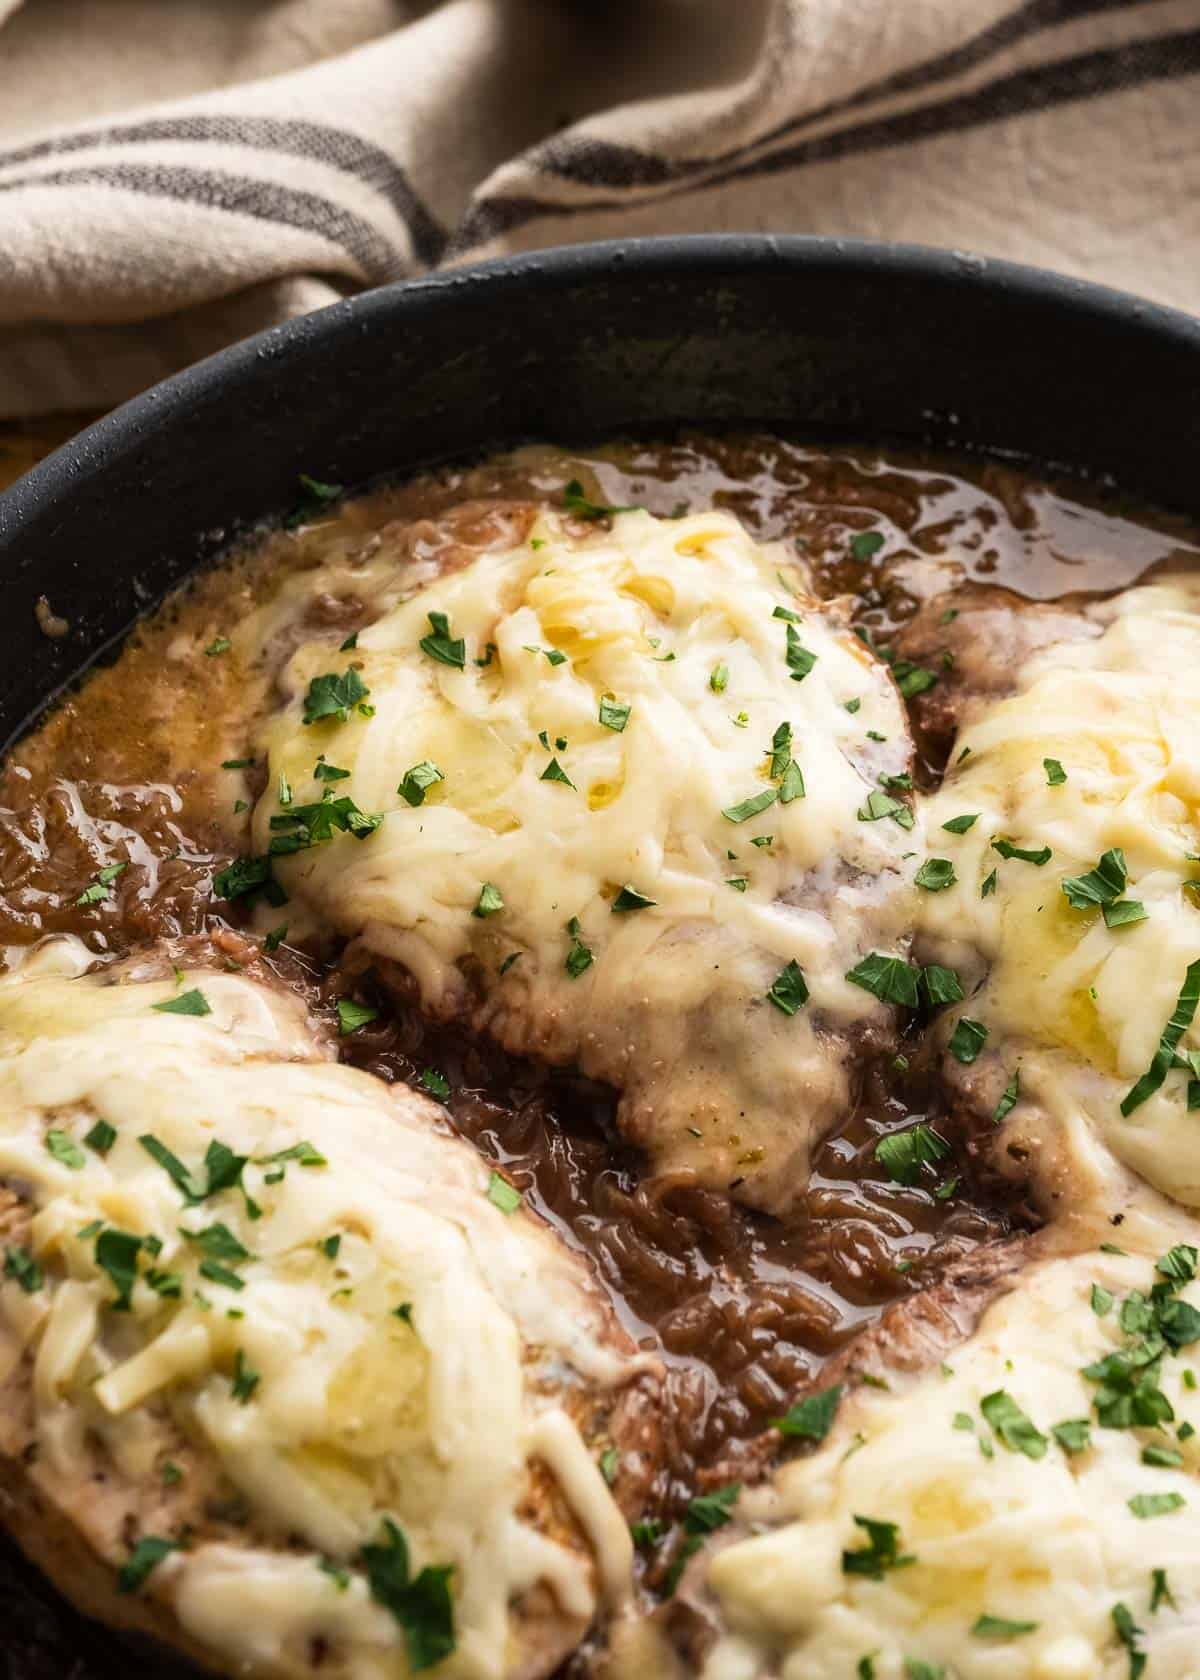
(840, 338)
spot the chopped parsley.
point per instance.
(811, 1418)
(352, 1016)
(145, 1557)
(1013, 1429)
(881, 1553)
(1124, 912)
(435, 1083)
(116, 1254)
(614, 714)
(890, 979)
(1022, 854)
(800, 661)
(554, 772)
(903, 1154)
(1100, 886)
(577, 504)
(417, 780)
(305, 826)
(1074, 1435)
(489, 902)
(960, 825)
(610, 1462)
(1008, 1099)
(219, 1243)
(988, 886)
(790, 990)
(629, 898)
(20, 1265)
(245, 1378)
(940, 985)
(1129, 1633)
(718, 679)
(935, 875)
(101, 1137)
(502, 1194)
(1162, 1458)
(248, 878)
(863, 544)
(275, 938)
(999, 1627)
(1164, 1056)
(101, 885)
(967, 1040)
(579, 957)
(440, 645)
(191, 1002)
(335, 695)
(64, 1149)
(1101, 1301)
(1055, 774)
(912, 679)
(218, 645)
(706, 1513)
(881, 804)
(750, 807)
(1156, 1504)
(1160, 1592)
(315, 497)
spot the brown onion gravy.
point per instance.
(742, 1308)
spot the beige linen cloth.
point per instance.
(175, 174)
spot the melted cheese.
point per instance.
(357, 1412)
(673, 1008)
(1051, 1541)
(1081, 1005)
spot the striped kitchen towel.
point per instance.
(177, 173)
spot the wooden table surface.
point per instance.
(23, 442)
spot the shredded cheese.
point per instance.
(639, 928)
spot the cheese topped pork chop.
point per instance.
(1069, 827)
(287, 1378)
(621, 795)
(1027, 1509)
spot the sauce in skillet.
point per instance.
(744, 1309)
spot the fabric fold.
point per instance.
(317, 155)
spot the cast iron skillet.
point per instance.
(817, 337)
(820, 337)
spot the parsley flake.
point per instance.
(101, 885)
(418, 780)
(935, 875)
(1164, 1056)
(967, 1040)
(629, 898)
(1022, 854)
(750, 807)
(502, 1194)
(334, 695)
(790, 990)
(191, 1002)
(145, 1557)
(1013, 1429)
(352, 1016)
(614, 714)
(903, 1154)
(441, 645)
(489, 902)
(811, 1418)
